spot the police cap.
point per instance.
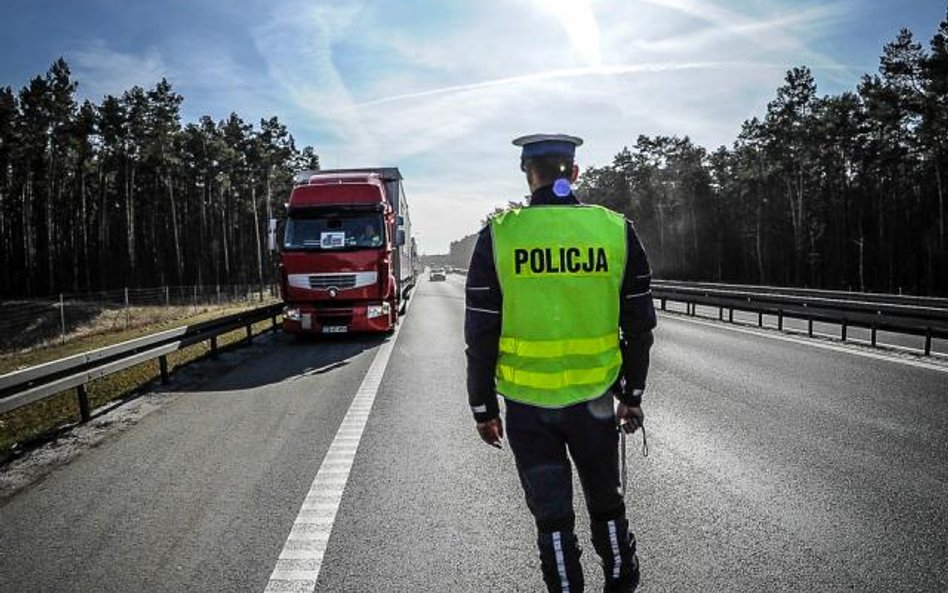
(536, 145)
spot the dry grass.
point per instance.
(114, 323)
(30, 422)
(109, 329)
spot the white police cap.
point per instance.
(535, 145)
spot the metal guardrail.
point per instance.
(919, 316)
(873, 297)
(40, 382)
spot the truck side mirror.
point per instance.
(399, 237)
(272, 235)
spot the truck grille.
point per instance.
(340, 281)
(337, 280)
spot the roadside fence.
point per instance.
(25, 386)
(27, 323)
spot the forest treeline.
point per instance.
(841, 192)
(96, 196)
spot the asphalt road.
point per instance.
(775, 465)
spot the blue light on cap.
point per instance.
(536, 145)
(561, 187)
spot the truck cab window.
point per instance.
(334, 232)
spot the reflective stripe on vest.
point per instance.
(556, 348)
(560, 270)
(562, 379)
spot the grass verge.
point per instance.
(32, 422)
(106, 334)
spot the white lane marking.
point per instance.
(813, 343)
(301, 559)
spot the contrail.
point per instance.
(548, 75)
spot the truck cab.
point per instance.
(341, 257)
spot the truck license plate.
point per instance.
(335, 329)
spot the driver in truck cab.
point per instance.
(370, 236)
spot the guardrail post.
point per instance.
(664, 301)
(720, 313)
(845, 329)
(760, 319)
(274, 320)
(928, 341)
(62, 317)
(163, 369)
(249, 332)
(809, 327)
(873, 335)
(730, 315)
(780, 319)
(214, 347)
(83, 398)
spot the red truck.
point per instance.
(346, 255)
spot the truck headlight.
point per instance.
(373, 311)
(291, 313)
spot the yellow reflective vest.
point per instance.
(560, 270)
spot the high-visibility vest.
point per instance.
(560, 270)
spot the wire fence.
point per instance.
(37, 322)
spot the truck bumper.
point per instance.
(312, 319)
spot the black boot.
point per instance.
(615, 544)
(559, 561)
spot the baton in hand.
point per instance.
(622, 453)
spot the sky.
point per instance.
(439, 88)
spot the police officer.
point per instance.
(559, 321)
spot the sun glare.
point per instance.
(579, 21)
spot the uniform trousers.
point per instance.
(543, 440)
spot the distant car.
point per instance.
(437, 275)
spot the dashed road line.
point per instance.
(297, 568)
(814, 344)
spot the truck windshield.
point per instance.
(334, 232)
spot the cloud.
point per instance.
(209, 76)
(103, 71)
(298, 45)
(778, 31)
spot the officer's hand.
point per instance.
(492, 431)
(630, 418)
